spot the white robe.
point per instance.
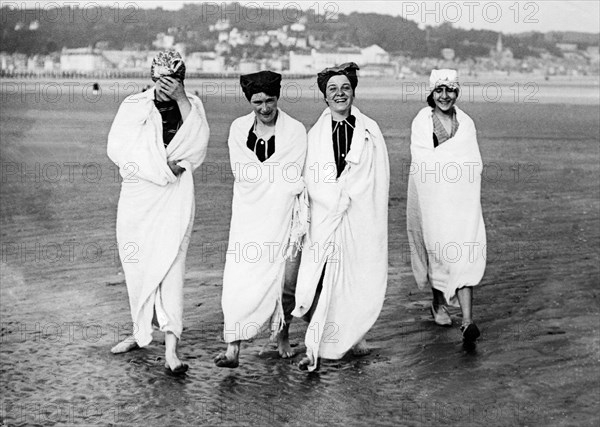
(264, 196)
(156, 208)
(444, 219)
(348, 232)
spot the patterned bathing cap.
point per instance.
(167, 63)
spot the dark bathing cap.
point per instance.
(168, 63)
(348, 69)
(267, 82)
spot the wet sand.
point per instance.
(64, 302)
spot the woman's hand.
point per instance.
(173, 88)
(175, 168)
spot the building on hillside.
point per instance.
(261, 40)
(222, 48)
(378, 70)
(220, 25)
(328, 58)
(83, 59)
(374, 54)
(52, 62)
(593, 53)
(237, 38)
(164, 41)
(373, 57)
(247, 66)
(275, 64)
(567, 47)
(301, 63)
(129, 60)
(205, 62)
(502, 57)
(448, 54)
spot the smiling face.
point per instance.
(265, 107)
(444, 98)
(339, 95)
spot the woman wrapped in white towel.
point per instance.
(444, 218)
(157, 139)
(267, 148)
(343, 271)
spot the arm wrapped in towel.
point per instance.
(135, 140)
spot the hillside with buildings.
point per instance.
(235, 39)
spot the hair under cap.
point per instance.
(167, 63)
(347, 69)
(267, 82)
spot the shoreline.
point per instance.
(503, 89)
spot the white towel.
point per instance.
(264, 195)
(156, 208)
(348, 232)
(444, 219)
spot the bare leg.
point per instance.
(361, 349)
(438, 298)
(231, 358)
(172, 360)
(469, 330)
(124, 346)
(288, 302)
(438, 309)
(465, 299)
(283, 343)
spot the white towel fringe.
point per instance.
(300, 221)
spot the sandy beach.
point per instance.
(64, 301)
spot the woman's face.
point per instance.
(265, 107)
(339, 94)
(444, 98)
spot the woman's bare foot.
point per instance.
(361, 349)
(231, 358)
(440, 315)
(124, 346)
(180, 368)
(283, 343)
(306, 362)
(173, 363)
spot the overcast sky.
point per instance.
(507, 16)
